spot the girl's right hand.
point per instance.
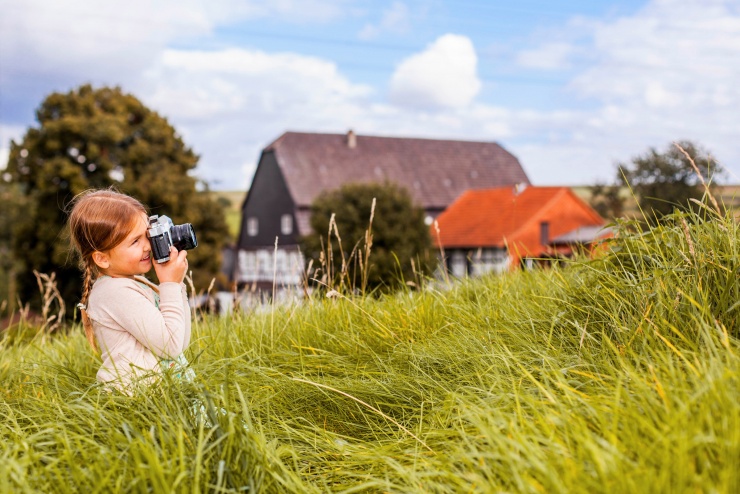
(173, 270)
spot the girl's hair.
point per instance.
(99, 221)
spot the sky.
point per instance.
(570, 87)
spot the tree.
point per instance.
(98, 138)
(11, 213)
(399, 241)
(666, 181)
(607, 201)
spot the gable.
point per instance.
(267, 201)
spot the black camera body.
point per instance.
(163, 233)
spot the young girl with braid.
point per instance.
(140, 328)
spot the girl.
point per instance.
(139, 328)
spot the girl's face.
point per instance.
(131, 257)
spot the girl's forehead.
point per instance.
(140, 223)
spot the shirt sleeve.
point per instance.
(164, 331)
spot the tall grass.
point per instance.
(614, 375)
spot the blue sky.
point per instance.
(569, 87)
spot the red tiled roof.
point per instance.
(501, 217)
(434, 171)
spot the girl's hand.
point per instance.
(175, 269)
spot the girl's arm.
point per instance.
(173, 272)
(162, 331)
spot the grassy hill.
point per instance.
(620, 374)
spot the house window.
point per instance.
(248, 263)
(489, 259)
(264, 265)
(458, 263)
(281, 262)
(286, 224)
(252, 226)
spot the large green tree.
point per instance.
(98, 138)
(397, 241)
(666, 181)
(607, 200)
(11, 213)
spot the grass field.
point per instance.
(232, 199)
(615, 375)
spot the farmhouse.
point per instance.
(500, 228)
(295, 168)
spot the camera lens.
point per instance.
(183, 237)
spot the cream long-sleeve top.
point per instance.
(133, 334)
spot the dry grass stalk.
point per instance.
(441, 253)
(306, 276)
(329, 257)
(701, 178)
(211, 300)
(49, 295)
(365, 263)
(193, 295)
(687, 234)
(345, 279)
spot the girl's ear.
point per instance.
(101, 259)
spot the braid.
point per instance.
(98, 221)
(86, 287)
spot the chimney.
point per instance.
(351, 139)
(544, 232)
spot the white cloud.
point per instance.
(662, 74)
(548, 56)
(50, 46)
(8, 133)
(669, 48)
(82, 40)
(395, 19)
(442, 76)
(229, 103)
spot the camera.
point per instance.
(163, 233)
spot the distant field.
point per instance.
(233, 211)
(729, 195)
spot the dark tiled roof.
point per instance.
(435, 172)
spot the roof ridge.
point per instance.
(379, 136)
(590, 210)
(531, 218)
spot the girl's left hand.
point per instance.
(175, 269)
